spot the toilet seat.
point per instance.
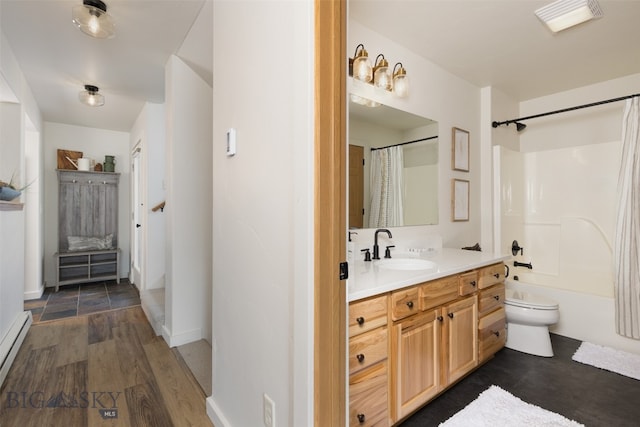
(527, 300)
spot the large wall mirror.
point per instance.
(414, 198)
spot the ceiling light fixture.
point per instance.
(90, 96)
(563, 14)
(92, 18)
(380, 76)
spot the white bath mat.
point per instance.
(621, 362)
(495, 407)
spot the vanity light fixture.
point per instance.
(563, 14)
(380, 75)
(90, 96)
(360, 65)
(400, 81)
(92, 19)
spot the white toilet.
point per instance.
(528, 319)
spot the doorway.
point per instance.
(136, 216)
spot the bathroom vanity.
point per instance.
(414, 330)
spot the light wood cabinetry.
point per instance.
(460, 337)
(368, 362)
(409, 345)
(415, 375)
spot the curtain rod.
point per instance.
(521, 126)
(404, 143)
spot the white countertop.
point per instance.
(367, 278)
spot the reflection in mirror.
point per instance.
(410, 161)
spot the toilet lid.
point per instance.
(528, 300)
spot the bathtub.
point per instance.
(584, 317)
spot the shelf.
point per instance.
(87, 266)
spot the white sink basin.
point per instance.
(406, 264)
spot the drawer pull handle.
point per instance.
(450, 315)
(497, 275)
(497, 333)
(440, 318)
(410, 304)
(360, 418)
(472, 283)
(497, 297)
(360, 357)
(360, 320)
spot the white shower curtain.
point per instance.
(626, 254)
(387, 188)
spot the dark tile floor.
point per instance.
(588, 395)
(78, 300)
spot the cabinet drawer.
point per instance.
(489, 276)
(468, 283)
(367, 349)
(405, 302)
(368, 397)
(367, 314)
(438, 292)
(491, 298)
(491, 333)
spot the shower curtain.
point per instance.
(626, 254)
(387, 188)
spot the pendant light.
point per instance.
(92, 19)
(90, 96)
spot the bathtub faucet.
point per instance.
(522, 264)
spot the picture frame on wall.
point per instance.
(459, 199)
(459, 149)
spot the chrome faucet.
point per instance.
(376, 248)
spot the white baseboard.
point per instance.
(175, 340)
(34, 294)
(12, 341)
(215, 414)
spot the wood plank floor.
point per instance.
(104, 369)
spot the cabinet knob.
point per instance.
(410, 304)
(440, 318)
(360, 357)
(89, 181)
(497, 297)
(74, 180)
(360, 320)
(450, 315)
(497, 333)
(360, 418)
(472, 283)
(497, 275)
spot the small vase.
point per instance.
(8, 194)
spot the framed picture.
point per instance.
(459, 200)
(460, 150)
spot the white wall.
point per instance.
(189, 201)
(440, 96)
(95, 144)
(149, 130)
(263, 223)
(559, 200)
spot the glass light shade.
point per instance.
(382, 74)
(382, 78)
(362, 68)
(400, 81)
(91, 97)
(92, 19)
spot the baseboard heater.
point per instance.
(12, 341)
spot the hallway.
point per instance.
(107, 368)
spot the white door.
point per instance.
(137, 228)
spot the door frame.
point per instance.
(330, 213)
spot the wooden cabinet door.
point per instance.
(460, 338)
(415, 357)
